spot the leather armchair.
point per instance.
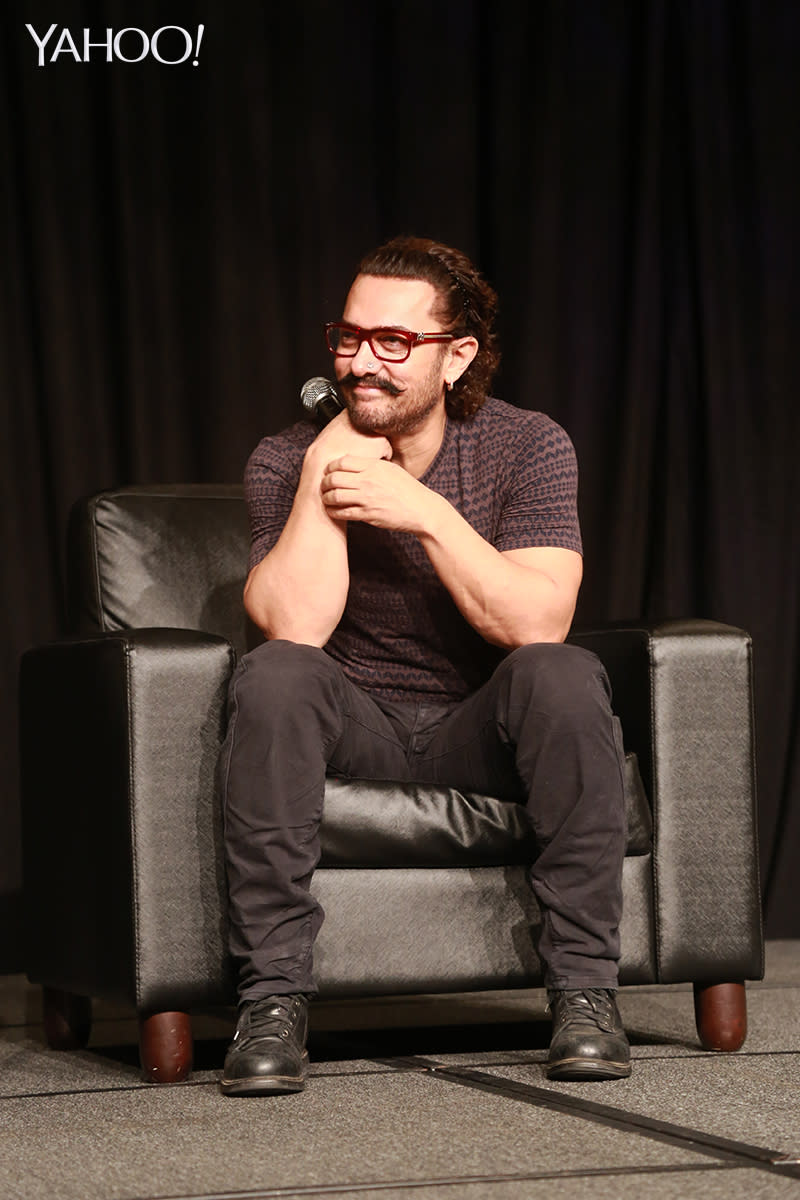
(424, 888)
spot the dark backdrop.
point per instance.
(624, 173)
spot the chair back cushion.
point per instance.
(172, 556)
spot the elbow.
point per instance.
(279, 623)
(260, 613)
(553, 627)
(537, 635)
(556, 630)
(554, 621)
(254, 610)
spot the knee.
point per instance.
(283, 672)
(557, 676)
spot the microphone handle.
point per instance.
(325, 410)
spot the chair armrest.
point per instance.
(683, 693)
(119, 738)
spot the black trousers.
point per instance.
(540, 732)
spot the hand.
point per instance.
(380, 493)
(339, 437)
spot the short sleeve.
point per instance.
(540, 502)
(270, 482)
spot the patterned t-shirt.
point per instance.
(511, 474)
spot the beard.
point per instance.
(404, 409)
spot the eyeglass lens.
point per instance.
(390, 345)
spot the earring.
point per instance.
(449, 385)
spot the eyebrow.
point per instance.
(399, 328)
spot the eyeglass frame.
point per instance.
(366, 335)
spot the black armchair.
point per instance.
(424, 890)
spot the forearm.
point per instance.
(508, 603)
(299, 590)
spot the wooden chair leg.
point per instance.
(720, 1010)
(165, 1046)
(67, 1019)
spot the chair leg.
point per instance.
(67, 1019)
(165, 1046)
(720, 1010)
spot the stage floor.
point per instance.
(430, 1098)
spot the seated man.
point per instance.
(414, 569)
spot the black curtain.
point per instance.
(625, 174)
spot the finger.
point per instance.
(348, 514)
(340, 480)
(337, 497)
(349, 462)
(360, 462)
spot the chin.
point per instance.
(367, 418)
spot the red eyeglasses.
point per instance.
(387, 344)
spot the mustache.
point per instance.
(385, 385)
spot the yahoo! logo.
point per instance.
(171, 44)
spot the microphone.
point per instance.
(321, 401)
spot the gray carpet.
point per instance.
(434, 1098)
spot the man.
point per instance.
(414, 569)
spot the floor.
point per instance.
(430, 1098)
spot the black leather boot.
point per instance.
(268, 1052)
(588, 1040)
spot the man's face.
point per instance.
(390, 397)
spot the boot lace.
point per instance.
(271, 1017)
(592, 1007)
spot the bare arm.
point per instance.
(299, 589)
(511, 598)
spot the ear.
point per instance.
(460, 354)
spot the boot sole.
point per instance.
(265, 1085)
(587, 1069)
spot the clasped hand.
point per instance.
(376, 491)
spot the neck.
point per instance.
(415, 451)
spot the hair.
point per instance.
(465, 305)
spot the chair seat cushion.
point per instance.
(371, 823)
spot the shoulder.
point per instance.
(517, 432)
(281, 453)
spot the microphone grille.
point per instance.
(313, 390)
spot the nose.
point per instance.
(364, 361)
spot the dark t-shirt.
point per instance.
(511, 474)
